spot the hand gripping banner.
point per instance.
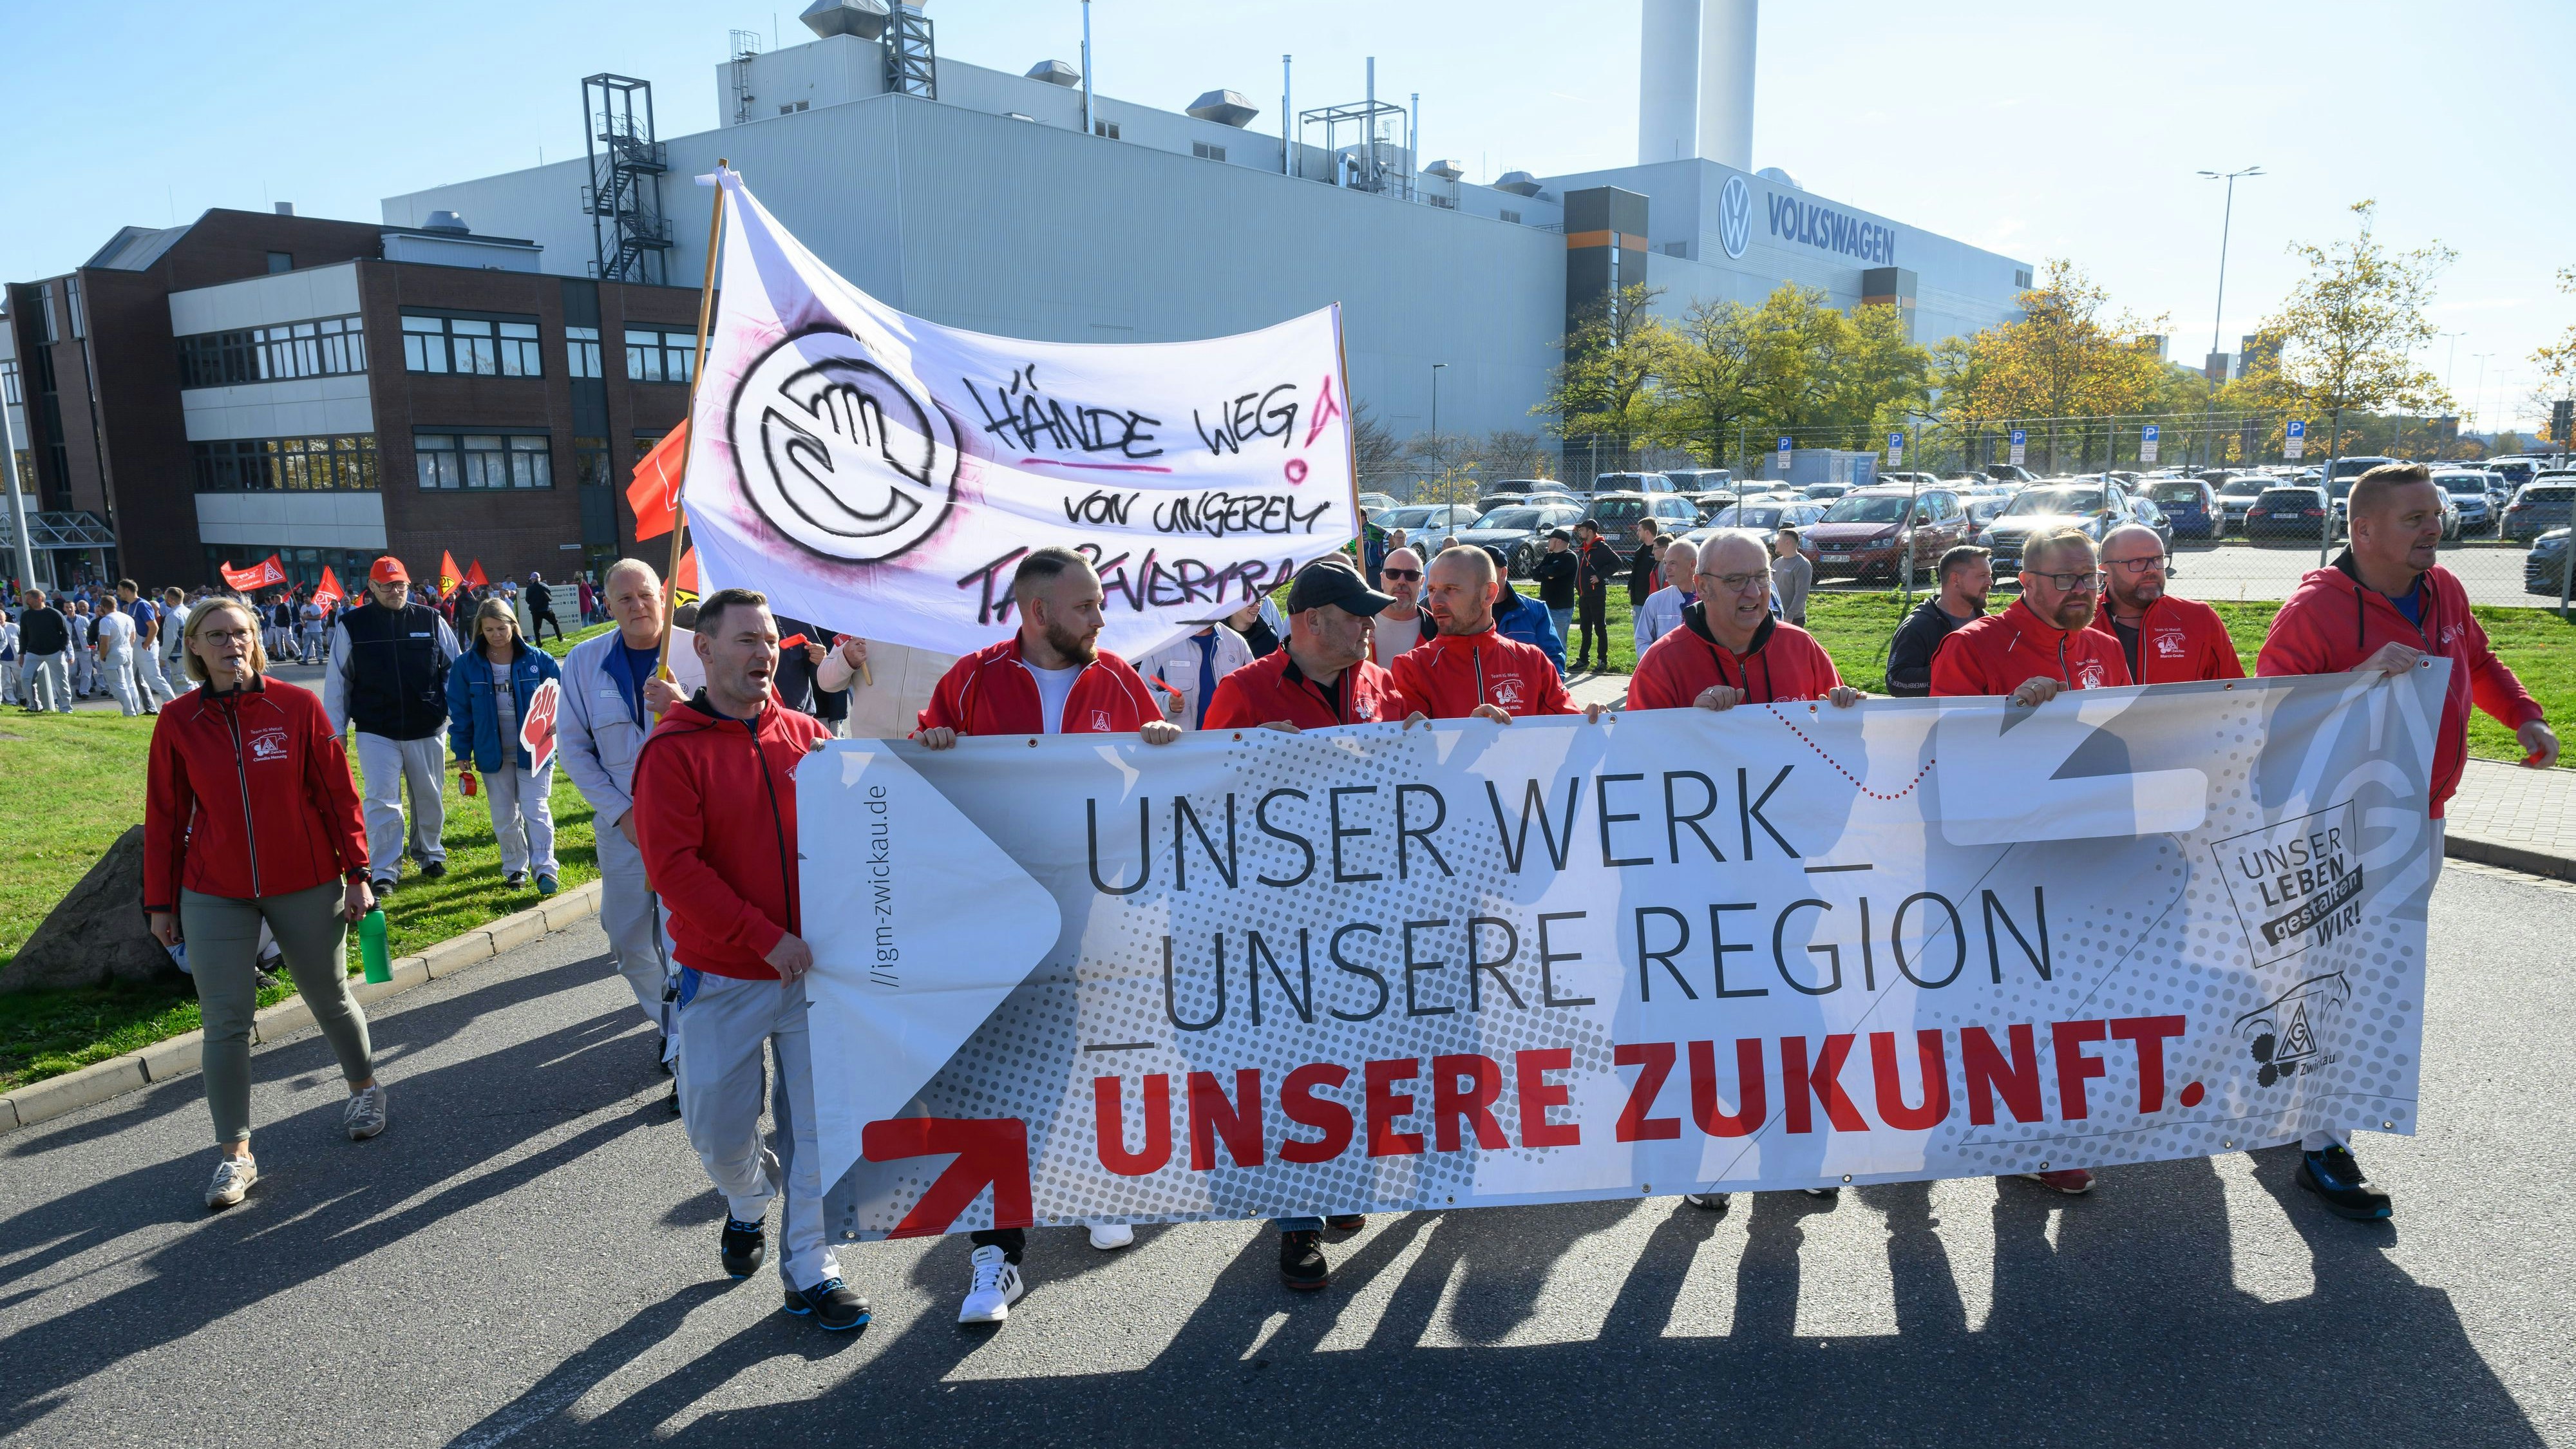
(882, 475)
(1254, 974)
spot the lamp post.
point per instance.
(2450, 364)
(1435, 402)
(2218, 318)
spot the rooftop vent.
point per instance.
(1774, 173)
(1055, 73)
(865, 19)
(449, 223)
(286, 208)
(1518, 183)
(1226, 108)
(1445, 170)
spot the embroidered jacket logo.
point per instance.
(267, 744)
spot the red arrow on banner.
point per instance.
(991, 1152)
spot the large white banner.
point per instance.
(1369, 968)
(882, 476)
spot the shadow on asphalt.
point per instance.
(2120, 1320)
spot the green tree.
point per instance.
(2350, 328)
(1707, 394)
(1880, 377)
(1795, 341)
(1604, 386)
(2068, 356)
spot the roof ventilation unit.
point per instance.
(1774, 173)
(865, 19)
(1445, 170)
(1518, 183)
(1226, 108)
(447, 223)
(1055, 73)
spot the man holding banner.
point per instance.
(1470, 670)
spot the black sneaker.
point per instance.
(674, 1099)
(743, 1248)
(515, 879)
(1301, 1261)
(832, 1305)
(1347, 1222)
(1822, 1191)
(433, 870)
(383, 885)
(2335, 1175)
(1716, 1202)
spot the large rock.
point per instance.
(96, 935)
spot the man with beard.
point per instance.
(2037, 649)
(2165, 639)
(1048, 678)
(715, 802)
(1470, 670)
(1399, 626)
(1967, 575)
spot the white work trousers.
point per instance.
(117, 668)
(386, 764)
(723, 1030)
(48, 681)
(84, 671)
(630, 914)
(523, 816)
(149, 680)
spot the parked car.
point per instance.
(1700, 480)
(1432, 520)
(2191, 505)
(1377, 503)
(1550, 493)
(2237, 494)
(2544, 568)
(2011, 473)
(1865, 533)
(1712, 501)
(2514, 471)
(1826, 492)
(1767, 519)
(2093, 507)
(1981, 512)
(2146, 511)
(2537, 508)
(1632, 483)
(1518, 532)
(2291, 510)
(1616, 511)
(1528, 486)
(2473, 510)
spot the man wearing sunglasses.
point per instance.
(1728, 649)
(1401, 624)
(2164, 639)
(2045, 643)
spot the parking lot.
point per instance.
(2240, 571)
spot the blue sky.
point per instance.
(2059, 130)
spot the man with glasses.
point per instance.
(2042, 646)
(2164, 639)
(1728, 650)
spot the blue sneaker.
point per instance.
(545, 885)
(743, 1247)
(2335, 1175)
(832, 1304)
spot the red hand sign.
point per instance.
(990, 1152)
(537, 731)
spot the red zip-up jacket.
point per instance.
(1784, 662)
(2000, 652)
(715, 814)
(2178, 639)
(1448, 676)
(2333, 621)
(1273, 688)
(247, 793)
(991, 692)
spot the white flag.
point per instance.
(882, 476)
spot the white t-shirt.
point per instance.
(115, 632)
(1392, 636)
(1055, 686)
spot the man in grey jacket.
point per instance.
(602, 725)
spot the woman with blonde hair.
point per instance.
(490, 689)
(250, 817)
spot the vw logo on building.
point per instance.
(1735, 216)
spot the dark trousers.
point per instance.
(1592, 621)
(1010, 1240)
(540, 619)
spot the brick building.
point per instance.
(330, 391)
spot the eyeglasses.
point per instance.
(2138, 565)
(2071, 583)
(1408, 575)
(1738, 583)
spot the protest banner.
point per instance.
(1252, 973)
(882, 476)
(268, 573)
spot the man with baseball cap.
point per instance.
(388, 675)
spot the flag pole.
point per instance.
(697, 372)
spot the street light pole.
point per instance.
(1435, 402)
(2218, 318)
(17, 501)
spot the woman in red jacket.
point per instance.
(250, 816)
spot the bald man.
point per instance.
(1661, 614)
(2166, 639)
(1402, 624)
(1471, 670)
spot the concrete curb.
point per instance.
(178, 1056)
(2509, 857)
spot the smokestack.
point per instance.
(1667, 81)
(1726, 37)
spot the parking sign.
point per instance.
(1784, 457)
(2147, 443)
(2295, 443)
(1896, 450)
(2018, 439)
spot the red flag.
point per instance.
(268, 573)
(474, 575)
(449, 577)
(655, 493)
(329, 591)
(685, 585)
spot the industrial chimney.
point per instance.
(1695, 81)
(1726, 34)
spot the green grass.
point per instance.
(70, 784)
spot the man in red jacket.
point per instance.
(1048, 678)
(2384, 606)
(1470, 671)
(2163, 639)
(1323, 677)
(1729, 650)
(2045, 642)
(715, 813)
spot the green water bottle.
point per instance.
(371, 947)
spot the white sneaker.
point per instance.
(364, 1117)
(996, 1287)
(1110, 1236)
(233, 1177)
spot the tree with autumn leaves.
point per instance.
(2069, 356)
(2348, 333)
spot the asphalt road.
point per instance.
(528, 1257)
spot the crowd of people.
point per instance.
(690, 770)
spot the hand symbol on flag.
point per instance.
(537, 731)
